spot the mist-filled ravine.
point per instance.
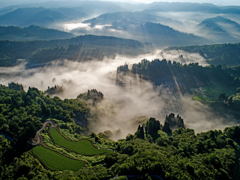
(124, 90)
(123, 108)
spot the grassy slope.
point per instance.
(56, 161)
(210, 94)
(83, 147)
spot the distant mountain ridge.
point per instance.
(102, 7)
(144, 27)
(191, 7)
(38, 16)
(164, 35)
(219, 29)
(134, 17)
(212, 23)
(32, 32)
(81, 48)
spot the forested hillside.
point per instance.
(185, 76)
(154, 150)
(217, 29)
(22, 113)
(77, 49)
(216, 85)
(39, 16)
(32, 32)
(224, 54)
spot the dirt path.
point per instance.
(37, 136)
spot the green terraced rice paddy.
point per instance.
(83, 147)
(56, 161)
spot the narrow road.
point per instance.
(37, 136)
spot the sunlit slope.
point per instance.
(186, 78)
(56, 161)
(159, 34)
(83, 147)
(117, 17)
(145, 27)
(81, 48)
(211, 93)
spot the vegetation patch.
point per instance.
(215, 90)
(56, 161)
(200, 98)
(84, 147)
(216, 54)
(209, 94)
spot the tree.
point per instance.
(166, 128)
(238, 90)
(140, 132)
(152, 128)
(222, 97)
(174, 122)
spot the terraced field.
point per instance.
(83, 147)
(56, 161)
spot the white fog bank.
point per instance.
(121, 106)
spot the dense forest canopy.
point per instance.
(155, 149)
(187, 76)
(218, 86)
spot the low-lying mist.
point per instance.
(123, 107)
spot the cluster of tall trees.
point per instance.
(150, 130)
(187, 76)
(91, 96)
(55, 90)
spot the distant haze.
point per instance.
(216, 2)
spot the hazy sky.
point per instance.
(217, 2)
